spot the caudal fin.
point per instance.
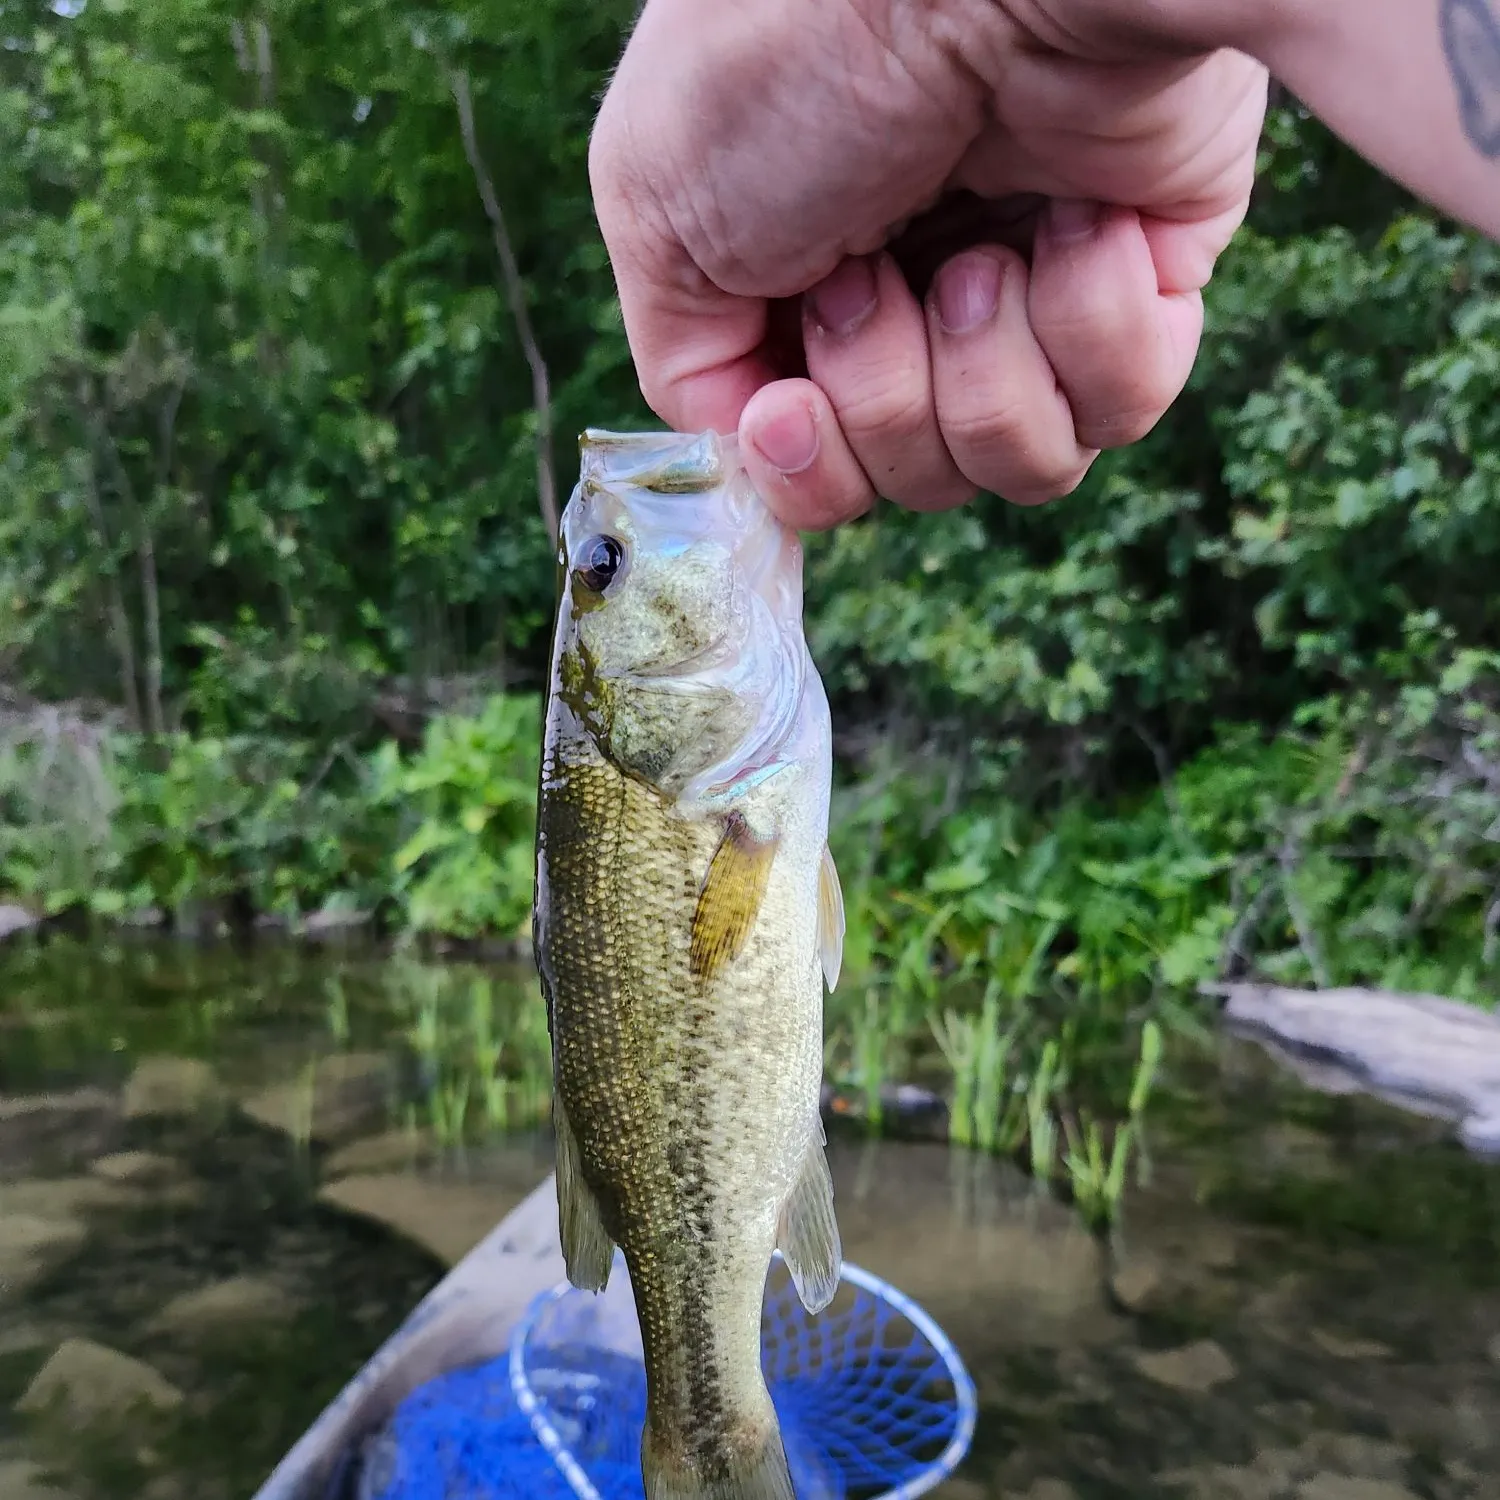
(762, 1475)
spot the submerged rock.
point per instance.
(390, 1151)
(1351, 1348)
(59, 1197)
(1423, 1053)
(38, 1128)
(1344, 1487)
(85, 1383)
(225, 1305)
(136, 1167)
(20, 1479)
(31, 1246)
(171, 1086)
(446, 1218)
(1193, 1367)
(341, 1096)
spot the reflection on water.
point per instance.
(226, 1176)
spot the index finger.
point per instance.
(699, 351)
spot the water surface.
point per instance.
(224, 1181)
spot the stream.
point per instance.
(228, 1172)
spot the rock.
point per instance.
(171, 1086)
(1050, 1489)
(331, 920)
(1423, 1053)
(41, 1128)
(1343, 1487)
(59, 1197)
(1342, 1348)
(447, 1218)
(391, 1151)
(31, 1246)
(135, 1167)
(1137, 1283)
(344, 1096)
(1193, 1367)
(87, 1383)
(232, 1304)
(960, 1489)
(16, 919)
(1493, 1349)
(1366, 1459)
(23, 1480)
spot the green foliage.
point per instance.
(268, 492)
(468, 867)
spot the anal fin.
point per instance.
(588, 1251)
(808, 1234)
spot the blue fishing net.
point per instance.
(874, 1404)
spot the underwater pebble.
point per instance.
(30, 1246)
(1493, 1349)
(344, 1096)
(1344, 1487)
(37, 1127)
(171, 1086)
(1193, 1367)
(1137, 1284)
(135, 1167)
(1342, 1348)
(389, 1151)
(225, 1304)
(20, 1479)
(447, 1218)
(88, 1382)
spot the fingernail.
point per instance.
(968, 291)
(789, 441)
(844, 299)
(1072, 218)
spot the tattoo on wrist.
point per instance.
(1471, 45)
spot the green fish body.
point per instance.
(687, 917)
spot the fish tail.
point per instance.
(759, 1473)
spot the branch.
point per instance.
(515, 295)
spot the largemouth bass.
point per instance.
(687, 917)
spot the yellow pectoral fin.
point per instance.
(830, 919)
(730, 899)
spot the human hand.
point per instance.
(764, 169)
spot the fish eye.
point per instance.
(599, 559)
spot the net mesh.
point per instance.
(872, 1399)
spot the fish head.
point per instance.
(679, 644)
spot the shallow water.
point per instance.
(1302, 1301)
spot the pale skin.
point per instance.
(755, 161)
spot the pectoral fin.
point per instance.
(808, 1234)
(588, 1251)
(830, 919)
(730, 898)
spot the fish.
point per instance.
(687, 919)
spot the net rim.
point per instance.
(966, 1396)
